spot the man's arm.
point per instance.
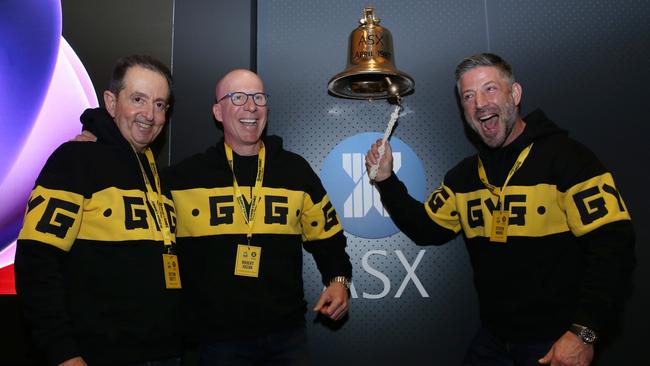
(40, 287)
(323, 238)
(409, 214)
(336, 271)
(50, 227)
(598, 217)
(609, 253)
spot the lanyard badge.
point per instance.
(247, 261)
(500, 216)
(155, 199)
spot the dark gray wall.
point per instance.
(210, 38)
(100, 32)
(582, 62)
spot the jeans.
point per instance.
(288, 347)
(487, 349)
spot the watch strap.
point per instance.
(342, 280)
(587, 335)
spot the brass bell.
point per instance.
(371, 71)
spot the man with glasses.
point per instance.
(245, 209)
(95, 265)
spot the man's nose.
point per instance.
(480, 100)
(149, 111)
(250, 104)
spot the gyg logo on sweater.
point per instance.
(356, 200)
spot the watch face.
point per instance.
(588, 335)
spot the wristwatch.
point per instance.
(341, 279)
(587, 335)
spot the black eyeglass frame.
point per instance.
(231, 95)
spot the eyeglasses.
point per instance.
(240, 98)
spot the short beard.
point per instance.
(510, 120)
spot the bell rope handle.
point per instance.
(374, 168)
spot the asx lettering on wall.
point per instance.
(386, 284)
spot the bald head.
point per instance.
(243, 124)
(234, 77)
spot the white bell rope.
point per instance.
(389, 130)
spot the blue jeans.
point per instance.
(284, 348)
(487, 349)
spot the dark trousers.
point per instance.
(487, 349)
(176, 361)
(286, 348)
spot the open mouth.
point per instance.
(248, 121)
(144, 125)
(489, 122)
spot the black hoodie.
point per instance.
(89, 266)
(294, 212)
(570, 239)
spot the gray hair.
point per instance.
(125, 63)
(484, 59)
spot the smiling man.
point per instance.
(490, 105)
(549, 236)
(95, 251)
(246, 208)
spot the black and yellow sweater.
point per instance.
(89, 266)
(294, 211)
(570, 239)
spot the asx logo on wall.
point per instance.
(356, 200)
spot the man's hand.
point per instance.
(333, 302)
(85, 136)
(569, 350)
(386, 164)
(77, 361)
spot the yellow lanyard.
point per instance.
(156, 198)
(495, 190)
(249, 215)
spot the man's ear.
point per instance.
(516, 92)
(216, 111)
(110, 100)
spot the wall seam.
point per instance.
(487, 25)
(171, 66)
(253, 50)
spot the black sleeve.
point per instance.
(608, 265)
(331, 257)
(410, 215)
(41, 290)
(599, 219)
(323, 237)
(40, 265)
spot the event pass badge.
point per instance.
(172, 275)
(499, 226)
(247, 262)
